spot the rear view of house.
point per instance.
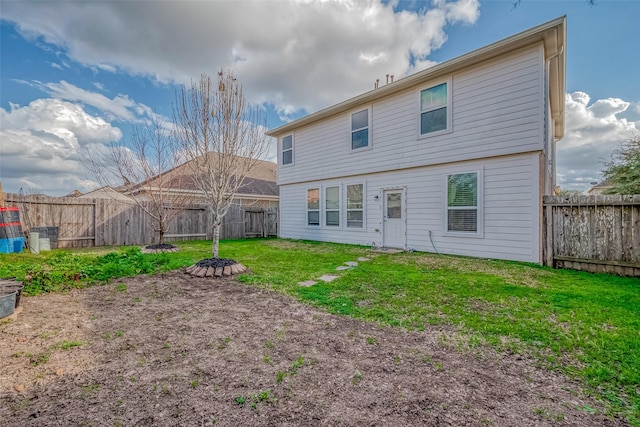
(454, 159)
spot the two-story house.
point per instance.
(453, 159)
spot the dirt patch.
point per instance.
(173, 349)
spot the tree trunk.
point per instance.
(161, 236)
(216, 238)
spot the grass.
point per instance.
(584, 325)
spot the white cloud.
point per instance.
(293, 54)
(121, 107)
(43, 145)
(604, 108)
(592, 132)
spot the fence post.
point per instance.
(548, 249)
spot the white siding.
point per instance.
(497, 109)
(511, 209)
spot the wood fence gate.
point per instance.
(261, 223)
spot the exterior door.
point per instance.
(394, 221)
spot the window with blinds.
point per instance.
(462, 202)
(434, 114)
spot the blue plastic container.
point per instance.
(11, 245)
(11, 237)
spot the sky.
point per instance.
(76, 76)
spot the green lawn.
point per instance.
(585, 325)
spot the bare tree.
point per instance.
(221, 137)
(144, 171)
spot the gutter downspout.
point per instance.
(552, 162)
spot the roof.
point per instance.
(74, 193)
(250, 186)
(600, 187)
(552, 34)
(260, 181)
(105, 193)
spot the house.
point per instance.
(258, 190)
(455, 158)
(600, 188)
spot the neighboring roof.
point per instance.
(105, 193)
(261, 180)
(251, 186)
(552, 34)
(600, 187)
(74, 193)
(259, 187)
(604, 183)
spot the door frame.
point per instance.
(403, 207)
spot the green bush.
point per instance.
(61, 270)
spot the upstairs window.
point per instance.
(287, 150)
(355, 206)
(360, 129)
(434, 114)
(332, 206)
(463, 203)
(313, 206)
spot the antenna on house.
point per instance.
(391, 78)
(387, 78)
(376, 84)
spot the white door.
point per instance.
(394, 224)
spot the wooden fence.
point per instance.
(109, 222)
(593, 233)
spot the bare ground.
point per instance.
(175, 350)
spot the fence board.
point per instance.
(593, 233)
(109, 222)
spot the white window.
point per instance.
(464, 195)
(332, 206)
(313, 206)
(355, 206)
(434, 109)
(287, 150)
(360, 129)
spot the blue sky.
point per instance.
(76, 76)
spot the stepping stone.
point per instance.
(351, 263)
(307, 283)
(387, 250)
(342, 267)
(329, 278)
(363, 259)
